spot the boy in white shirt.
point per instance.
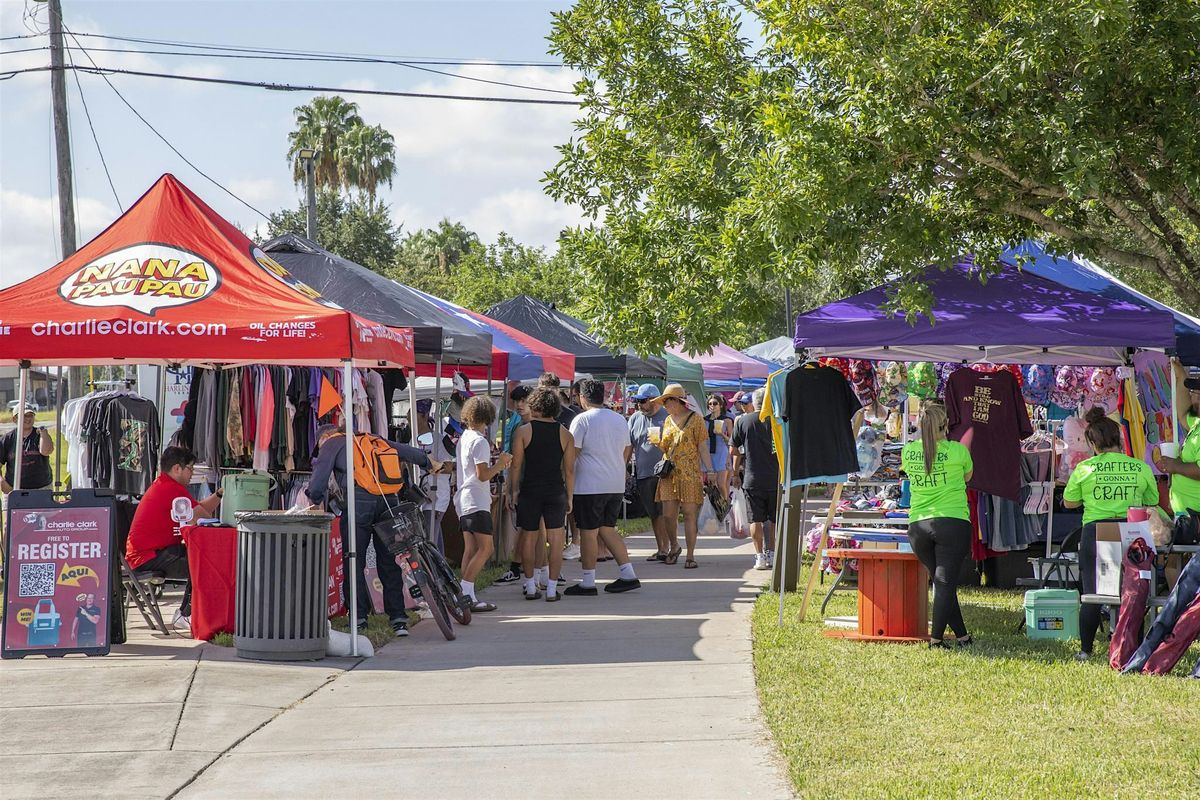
(473, 501)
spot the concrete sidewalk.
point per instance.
(649, 693)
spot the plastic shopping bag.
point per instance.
(739, 518)
(708, 523)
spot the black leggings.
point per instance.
(942, 544)
(1090, 614)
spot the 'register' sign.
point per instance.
(144, 277)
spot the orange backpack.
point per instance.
(377, 466)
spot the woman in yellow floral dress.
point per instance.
(684, 441)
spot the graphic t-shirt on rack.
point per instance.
(987, 414)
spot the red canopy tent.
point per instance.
(172, 282)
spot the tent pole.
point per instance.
(22, 388)
(435, 420)
(162, 401)
(348, 517)
(60, 439)
(1174, 402)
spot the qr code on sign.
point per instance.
(37, 580)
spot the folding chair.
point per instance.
(143, 587)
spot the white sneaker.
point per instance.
(760, 561)
(571, 553)
(180, 621)
(770, 554)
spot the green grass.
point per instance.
(223, 639)
(379, 627)
(1007, 718)
(628, 527)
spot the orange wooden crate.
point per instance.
(893, 596)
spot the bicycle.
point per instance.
(435, 581)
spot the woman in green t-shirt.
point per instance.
(939, 521)
(1185, 469)
(1107, 485)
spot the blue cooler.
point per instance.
(43, 629)
(1052, 614)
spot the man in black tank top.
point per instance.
(542, 487)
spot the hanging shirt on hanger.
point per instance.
(987, 414)
(820, 405)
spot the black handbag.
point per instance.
(1186, 530)
(666, 466)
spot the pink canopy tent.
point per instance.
(723, 363)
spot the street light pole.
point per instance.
(309, 158)
(62, 138)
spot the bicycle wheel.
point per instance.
(457, 603)
(437, 604)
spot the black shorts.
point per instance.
(476, 522)
(594, 511)
(647, 489)
(762, 504)
(534, 509)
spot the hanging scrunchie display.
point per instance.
(1068, 387)
(1102, 389)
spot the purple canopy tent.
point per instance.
(1014, 317)
(723, 363)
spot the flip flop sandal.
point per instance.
(690, 564)
(480, 606)
(673, 556)
(658, 557)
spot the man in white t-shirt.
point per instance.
(601, 453)
(473, 501)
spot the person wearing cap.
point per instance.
(329, 483)
(649, 414)
(1184, 468)
(36, 446)
(684, 443)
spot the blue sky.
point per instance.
(479, 163)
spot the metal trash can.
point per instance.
(282, 579)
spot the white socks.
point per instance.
(468, 588)
(551, 587)
(627, 571)
(542, 574)
(530, 585)
(589, 579)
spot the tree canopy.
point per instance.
(353, 228)
(350, 154)
(853, 140)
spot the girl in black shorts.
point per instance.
(543, 486)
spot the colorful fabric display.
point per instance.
(1068, 386)
(862, 380)
(1038, 380)
(923, 380)
(1101, 389)
(893, 383)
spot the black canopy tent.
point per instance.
(437, 335)
(546, 323)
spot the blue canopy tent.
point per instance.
(1084, 276)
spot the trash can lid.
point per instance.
(284, 517)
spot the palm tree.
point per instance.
(320, 125)
(366, 158)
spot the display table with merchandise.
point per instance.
(893, 596)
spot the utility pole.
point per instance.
(62, 153)
(309, 157)
(62, 137)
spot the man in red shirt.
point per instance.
(152, 543)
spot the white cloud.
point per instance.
(529, 216)
(468, 137)
(29, 230)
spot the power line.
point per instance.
(312, 58)
(95, 138)
(289, 87)
(174, 149)
(287, 51)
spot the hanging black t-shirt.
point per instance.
(820, 406)
(35, 467)
(988, 415)
(753, 437)
(133, 431)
